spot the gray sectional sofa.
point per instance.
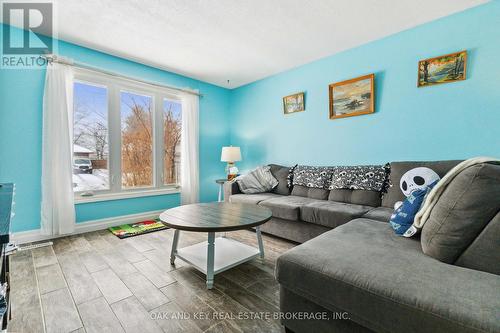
(301, 213)
(361, 277)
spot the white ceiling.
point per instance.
(241, 41)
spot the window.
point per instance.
(126, 136)
(90, 138)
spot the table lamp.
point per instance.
(230, 155)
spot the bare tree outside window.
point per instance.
(137, 140)
(172, 118)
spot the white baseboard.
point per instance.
(36, 235)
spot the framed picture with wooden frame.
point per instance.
(294, 103)
(443, 69)
(352, 97)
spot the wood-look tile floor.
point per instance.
(95, 282)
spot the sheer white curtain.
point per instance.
(58, 210)
(189, 149)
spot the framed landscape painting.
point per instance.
(293, 103)
(352, 97)
(443, 69)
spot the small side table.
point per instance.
(221, 187)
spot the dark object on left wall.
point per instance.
(6, 206)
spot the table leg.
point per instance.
(220, 192)
(174, 246)
(259, 239)
(210, 260)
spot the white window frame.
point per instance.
(116, 85)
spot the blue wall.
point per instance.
(455, 120)
(21, 93)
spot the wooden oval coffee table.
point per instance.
(221, 253)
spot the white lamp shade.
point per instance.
(230, 154)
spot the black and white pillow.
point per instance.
(289, 178)
(361, 177)
(312, 177)
(259, 180)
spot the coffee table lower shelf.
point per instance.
(228, 254)
(216, 255)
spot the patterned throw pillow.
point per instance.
(403, 216)
(259, 180)
(312, 177)
(362, 177)
(289, 178)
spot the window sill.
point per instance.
(126, 195)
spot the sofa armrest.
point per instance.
(230, 188)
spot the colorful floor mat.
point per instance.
(139, 228)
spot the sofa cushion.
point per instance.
(296, 231)
(467, 205)
(252, 198)
(309, 192)
(398, 169)
(331, 214)
(388, 284)
(358, 197)
(286, 207)
(483, 253)
(281, 174)
(382, 214)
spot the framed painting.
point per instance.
(293, 103)
(443, 69)
(352, 97)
